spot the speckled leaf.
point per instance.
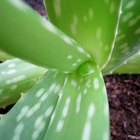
(30, 117)
(82, 110)
(16, 77)
(131, 66)
(92, 23)
(27, 35)
(128, 39)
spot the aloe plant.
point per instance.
(81, 42)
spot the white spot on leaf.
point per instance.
(12, 71)
(86, 131)
(91, 111)
(37, 132)
(33, 110)
(49, 111)
(127, 16)
(73, 83)
(59, 126)
(66, 107)
(90, 13)
(74, 24)
(18, 131)
(74, 64)
(13, 87)
(98, 33)
(85, 91)
(112, 7)
(78, 102)
(11, 65)
(137, 31)
(38, 121)
(130, 4)
(40, 92)
(132, 22)
(85, 18)
(22, 113)
(69, 57)
(19, 78)
(96, 83)
(57, 7)
(78, 60)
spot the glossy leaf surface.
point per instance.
(92, 23)
(27, 35)
(82, 110)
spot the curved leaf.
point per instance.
(131, 66)
(16, 77)
(128, 40)
(91, 23)
(27, 35)
(82, 110)
(30, 117)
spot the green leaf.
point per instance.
(92, 23)
(27, 35)
(128, 40)
(82, 110)
(30, 117)
(4, 56)
(131, 66)
(16, 77)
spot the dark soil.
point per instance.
(37, 5)
(123, 95)
(124, 101)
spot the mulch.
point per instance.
(123, 95)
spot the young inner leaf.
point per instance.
(82, 110)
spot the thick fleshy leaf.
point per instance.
(16, 77)
(128, 40)
(30, 117)
(27, 35)
(82, 110)
(131, 66)
(92, 23)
